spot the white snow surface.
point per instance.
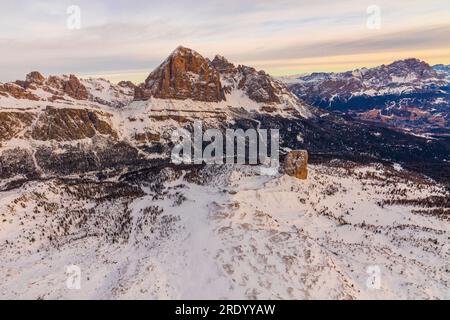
(239, 236)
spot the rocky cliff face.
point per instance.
(257, 85)
(69, 88)
(296, 164)
(71, 124)
(57, 124)
(185, 74)
(16, 91)
(15, 124)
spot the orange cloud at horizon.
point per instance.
(340, 63)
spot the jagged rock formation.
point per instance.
(13, 124)
(398, 77)
(221, 64)
(407, 94)
(71, 124)
(127, 84)
(17, 91)
(35, 77)
(256, 84)
(75, 89)
(67, 88)
(296, 164)
(259, 87)
(184, 75)
(58, 124)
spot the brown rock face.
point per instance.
(126, 84)
(35, 77)
(75, 89)
(222, 65)
(184, 75)
(296, 164)
(258, 85)
(16, 91)
(12, 124)
(70, 124)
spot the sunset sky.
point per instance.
(126, 39)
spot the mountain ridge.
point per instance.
(406, 94)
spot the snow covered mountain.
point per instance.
(407, 94)
(443, 70)
(86, 180)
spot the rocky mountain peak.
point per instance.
(259, 86)
(75, 89)
(35, 77)
(221, 64)
(411, 66)
(410, 62)
(126, 84)
(185, 74)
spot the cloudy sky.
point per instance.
(126, 39)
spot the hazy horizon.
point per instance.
(126, 40)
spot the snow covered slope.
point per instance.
(229, 233)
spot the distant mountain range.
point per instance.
(443, 70)
(408, 94)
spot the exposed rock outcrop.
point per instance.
(257, 85)
(64, 88)
(296, 164)
(70, 124)
(221, 64)
(126, 84)
(16, 91)
(75, 89)
(12, 124)
(35, 77)
(184, 75)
